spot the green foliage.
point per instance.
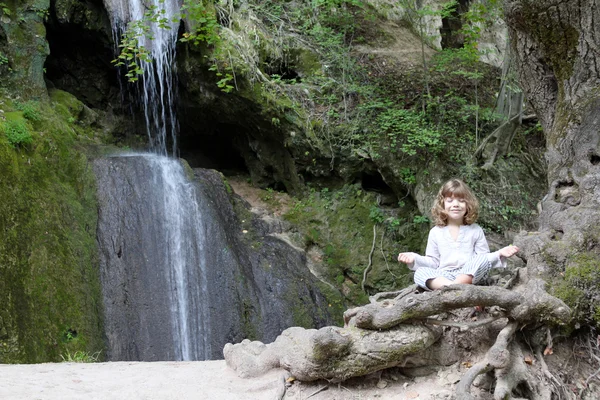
(376, 215)
(30, 110)
(5, 9)
(420, 219)
(133, 53)
(17, 133)
(81, 356)
(408, 176)
(205, 27)
(3, 59)
(339, 222)
(409, 131)
(42, 12)
(225, 80)
(460, 62)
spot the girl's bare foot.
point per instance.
(508, 251)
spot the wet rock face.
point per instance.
(243, 281)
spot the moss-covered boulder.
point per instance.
(23, 47)
(49, 284)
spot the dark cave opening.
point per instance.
(281, 70)
(216, 147)
(215, 130)
(81, 51)
(373, 181)
(452, 37)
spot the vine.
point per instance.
(205, 28)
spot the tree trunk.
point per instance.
(557, 55)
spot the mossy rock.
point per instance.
(49, 283)
(339, 223)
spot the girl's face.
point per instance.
(456, 208)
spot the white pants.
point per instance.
(478, 266)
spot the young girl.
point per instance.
(457, 251)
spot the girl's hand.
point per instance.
(406, 258)
(508, 251)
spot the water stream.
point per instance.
(157, 85)
(178, 213)
(175, 216)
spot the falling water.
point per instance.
(158, 85)
(177, 212)
(183, 251)
(153, 226)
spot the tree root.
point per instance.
(496, 358)
(397, 295)
(463, 326)
(376, 336)
(331, 353)
(506, 359)
(531, 304)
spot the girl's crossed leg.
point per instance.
(474, 271)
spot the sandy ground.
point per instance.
(193, 380)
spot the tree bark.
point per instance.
(556, 45)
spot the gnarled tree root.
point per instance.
(331, 353)
(531, 303)
(377, 336)
(506, 359)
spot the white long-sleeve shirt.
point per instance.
(443, 252)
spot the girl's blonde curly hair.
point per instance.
(455, 188)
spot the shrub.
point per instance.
(30, 110)
(17, 132)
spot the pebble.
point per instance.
(382, 384)
(453, 377)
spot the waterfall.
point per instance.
(180, 275)
(171, 204)
(158, 81)
(153, 260)
(177, 210)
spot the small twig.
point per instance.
(343, 387)
(232, 70)
(511, 281)
(318, 391)
(463, 326)
(545, 369)
(384, 257)
(370, 258)
(592, 376)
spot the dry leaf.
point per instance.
(528, 360)
(290, 379)
(548, 350)
(412, 395)
(467, 364)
